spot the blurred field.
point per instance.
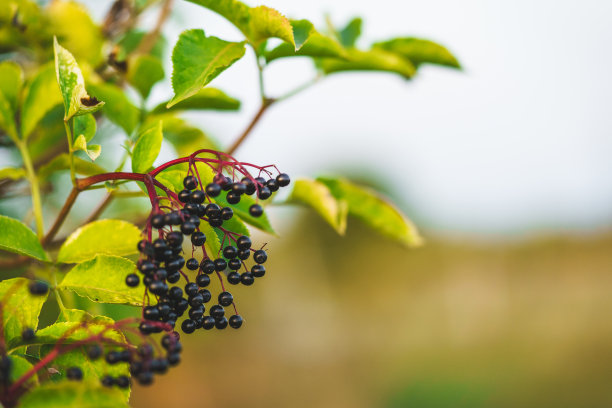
(360, 322)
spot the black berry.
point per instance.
(235, 321)
(190, 182)
(260, 256)
(132, 280)
(38, 288)
(256, 210)
(225, 299)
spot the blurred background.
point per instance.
(505, 166)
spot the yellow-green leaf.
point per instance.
(62, 162)
(197, 60)
(41, 95)
(72, 85)
(18, 238)
(144, 71)
(11, 80)
(118, 109)
(420, 51)
(373, 60)
(102, 280)
(318, 196)
(67, 394)
(21, 309)
(109, 237)
(206, 98)
(147, 148)
(13, 173)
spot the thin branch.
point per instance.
(149, 40)
(264, 106)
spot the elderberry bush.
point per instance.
(177, 258)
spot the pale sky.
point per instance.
(518, 141)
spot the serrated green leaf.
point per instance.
(197, 60)
(373, 60)
(102, 280)
(257, 24)
(66, 394)
(62, 162)
(350, 33)
(11, 81)
(118, 109)
(144, 71)
(21, 309)
(147, 148)
(16, 237)
(109, 237)
(318, 196)
(12, 173)
(374, 210)
(311, 44)
(41, 95)
(72, 24)
(72, 85)
(206, 98)
(85, 125)
(420, 51)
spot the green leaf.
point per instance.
(66, 394)
(213, 243)
(41, 95)
(85, 125)
(173, 179)
(62, 162)
(309, 43)
(18, 238)
(374, 210)
(147, 148)
(7, 117)
(373, 60)
(12, 173)
(257, 24)
(72, 24)
(72, 85)
(420, 51)
(206, 98)
(93, 151)
(241, 210)
(110, 237)
(318, 196)
(102, 280)
(144, 71)
(132, 39)
(118, 109)
(19, 367)
(11, 80)
(21, 309)
(197, 60)
(348, 35)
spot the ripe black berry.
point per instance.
(122, 381)
(206, 295)
(161, 274)
(233, 278)
(196, 313)
(158, 288)
(190, 182)
(272, 184)
(260, 181)
(113, 357)
(239, 188)
(260, 256)
(192, 208)
(258, 271)
(243, 242)
(174, 359)
(207, 266)
(145, 378)
(159, 365)
(146, 267)
(256, 210)
(132, 280)
(249, 185)
(192, 264)
(233, 197)
(196, 300)
(235, 321)
(175, 239)
(203, 280)
(225, 299)
(247, 279)
(160, 245)
(145, 350)
(212, 210)
(172, 218)
(198, 238)
(283, 180)
(38, 288)
(208, 322)
(227, 213)
(94, 352)
(230, 252)
(221, 323)
(184, 196)
(215, 222)
(217, 312)
(145, 247)
(191, 289)
(213, 189)
(188, 228)
(220, 264)
(28, 334)
(175, 293)
(264, 193)
(174, 277)
(164, 309)
(151, 312)
(188, 326)
(226, 184)
(244, 254)
(197, 197)
(157, 221)
(234, 264)
(107, 381)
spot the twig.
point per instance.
(61, 216)
(149, 40)
(264, 106)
